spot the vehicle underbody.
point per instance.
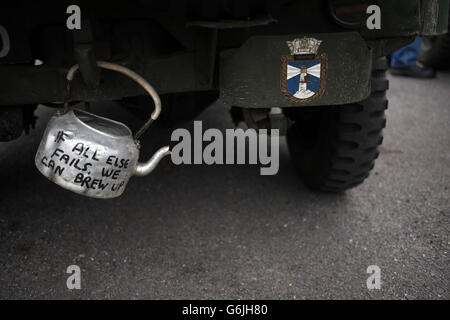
(193, 52)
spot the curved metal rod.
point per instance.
(129, 73)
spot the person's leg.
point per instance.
(406, 56)
(404, 62)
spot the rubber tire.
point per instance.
(334, 147)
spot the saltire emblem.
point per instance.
(303, 72)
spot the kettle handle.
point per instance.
(129, 73)
(142, 168)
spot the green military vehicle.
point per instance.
(320, 61)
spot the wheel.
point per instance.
(435, 51)
(176, 107)
(334, 147)
(16, 119)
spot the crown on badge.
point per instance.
(304, 46)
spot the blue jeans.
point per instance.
(406, 56)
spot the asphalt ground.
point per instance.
(225, 232)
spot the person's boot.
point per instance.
(417, 70)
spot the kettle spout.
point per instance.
(144, 168)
